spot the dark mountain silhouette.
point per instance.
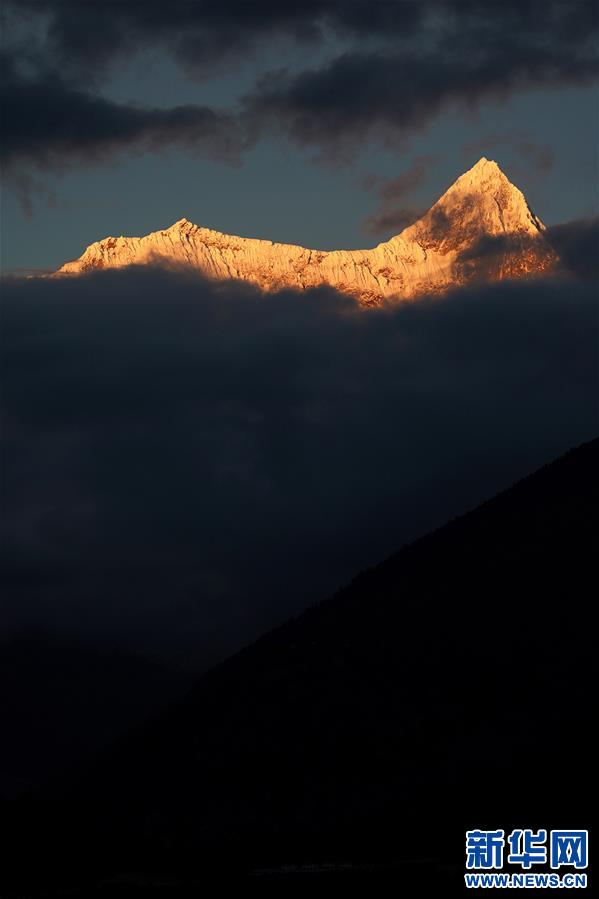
(448, 687)
(65, 700)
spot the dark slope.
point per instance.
(450, 686)
(63, 701)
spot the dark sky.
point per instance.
(185, 464)
(290, 121)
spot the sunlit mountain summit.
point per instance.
(482, 228)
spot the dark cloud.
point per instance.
(539, 157)
(391, 190)
(185, 463)
(391, 221)
(47, 122)
(576, 244)
(475, 52)
(85, 38)
(30, 190)
(89, 35)
(404, 63)
(360, 94)
(390, 218)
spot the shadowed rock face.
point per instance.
(427, 257)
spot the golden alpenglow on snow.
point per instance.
(481, 228)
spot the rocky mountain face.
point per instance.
(481, 228)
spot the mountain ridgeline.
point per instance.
(480, 229)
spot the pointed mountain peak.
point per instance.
(484, 163)
(484, 172)
(482, 202)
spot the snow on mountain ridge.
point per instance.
(426, 257)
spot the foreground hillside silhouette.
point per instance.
(448, 687)
(63, 701)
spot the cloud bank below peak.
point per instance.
(186, 463)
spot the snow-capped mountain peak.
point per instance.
(434, 254)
